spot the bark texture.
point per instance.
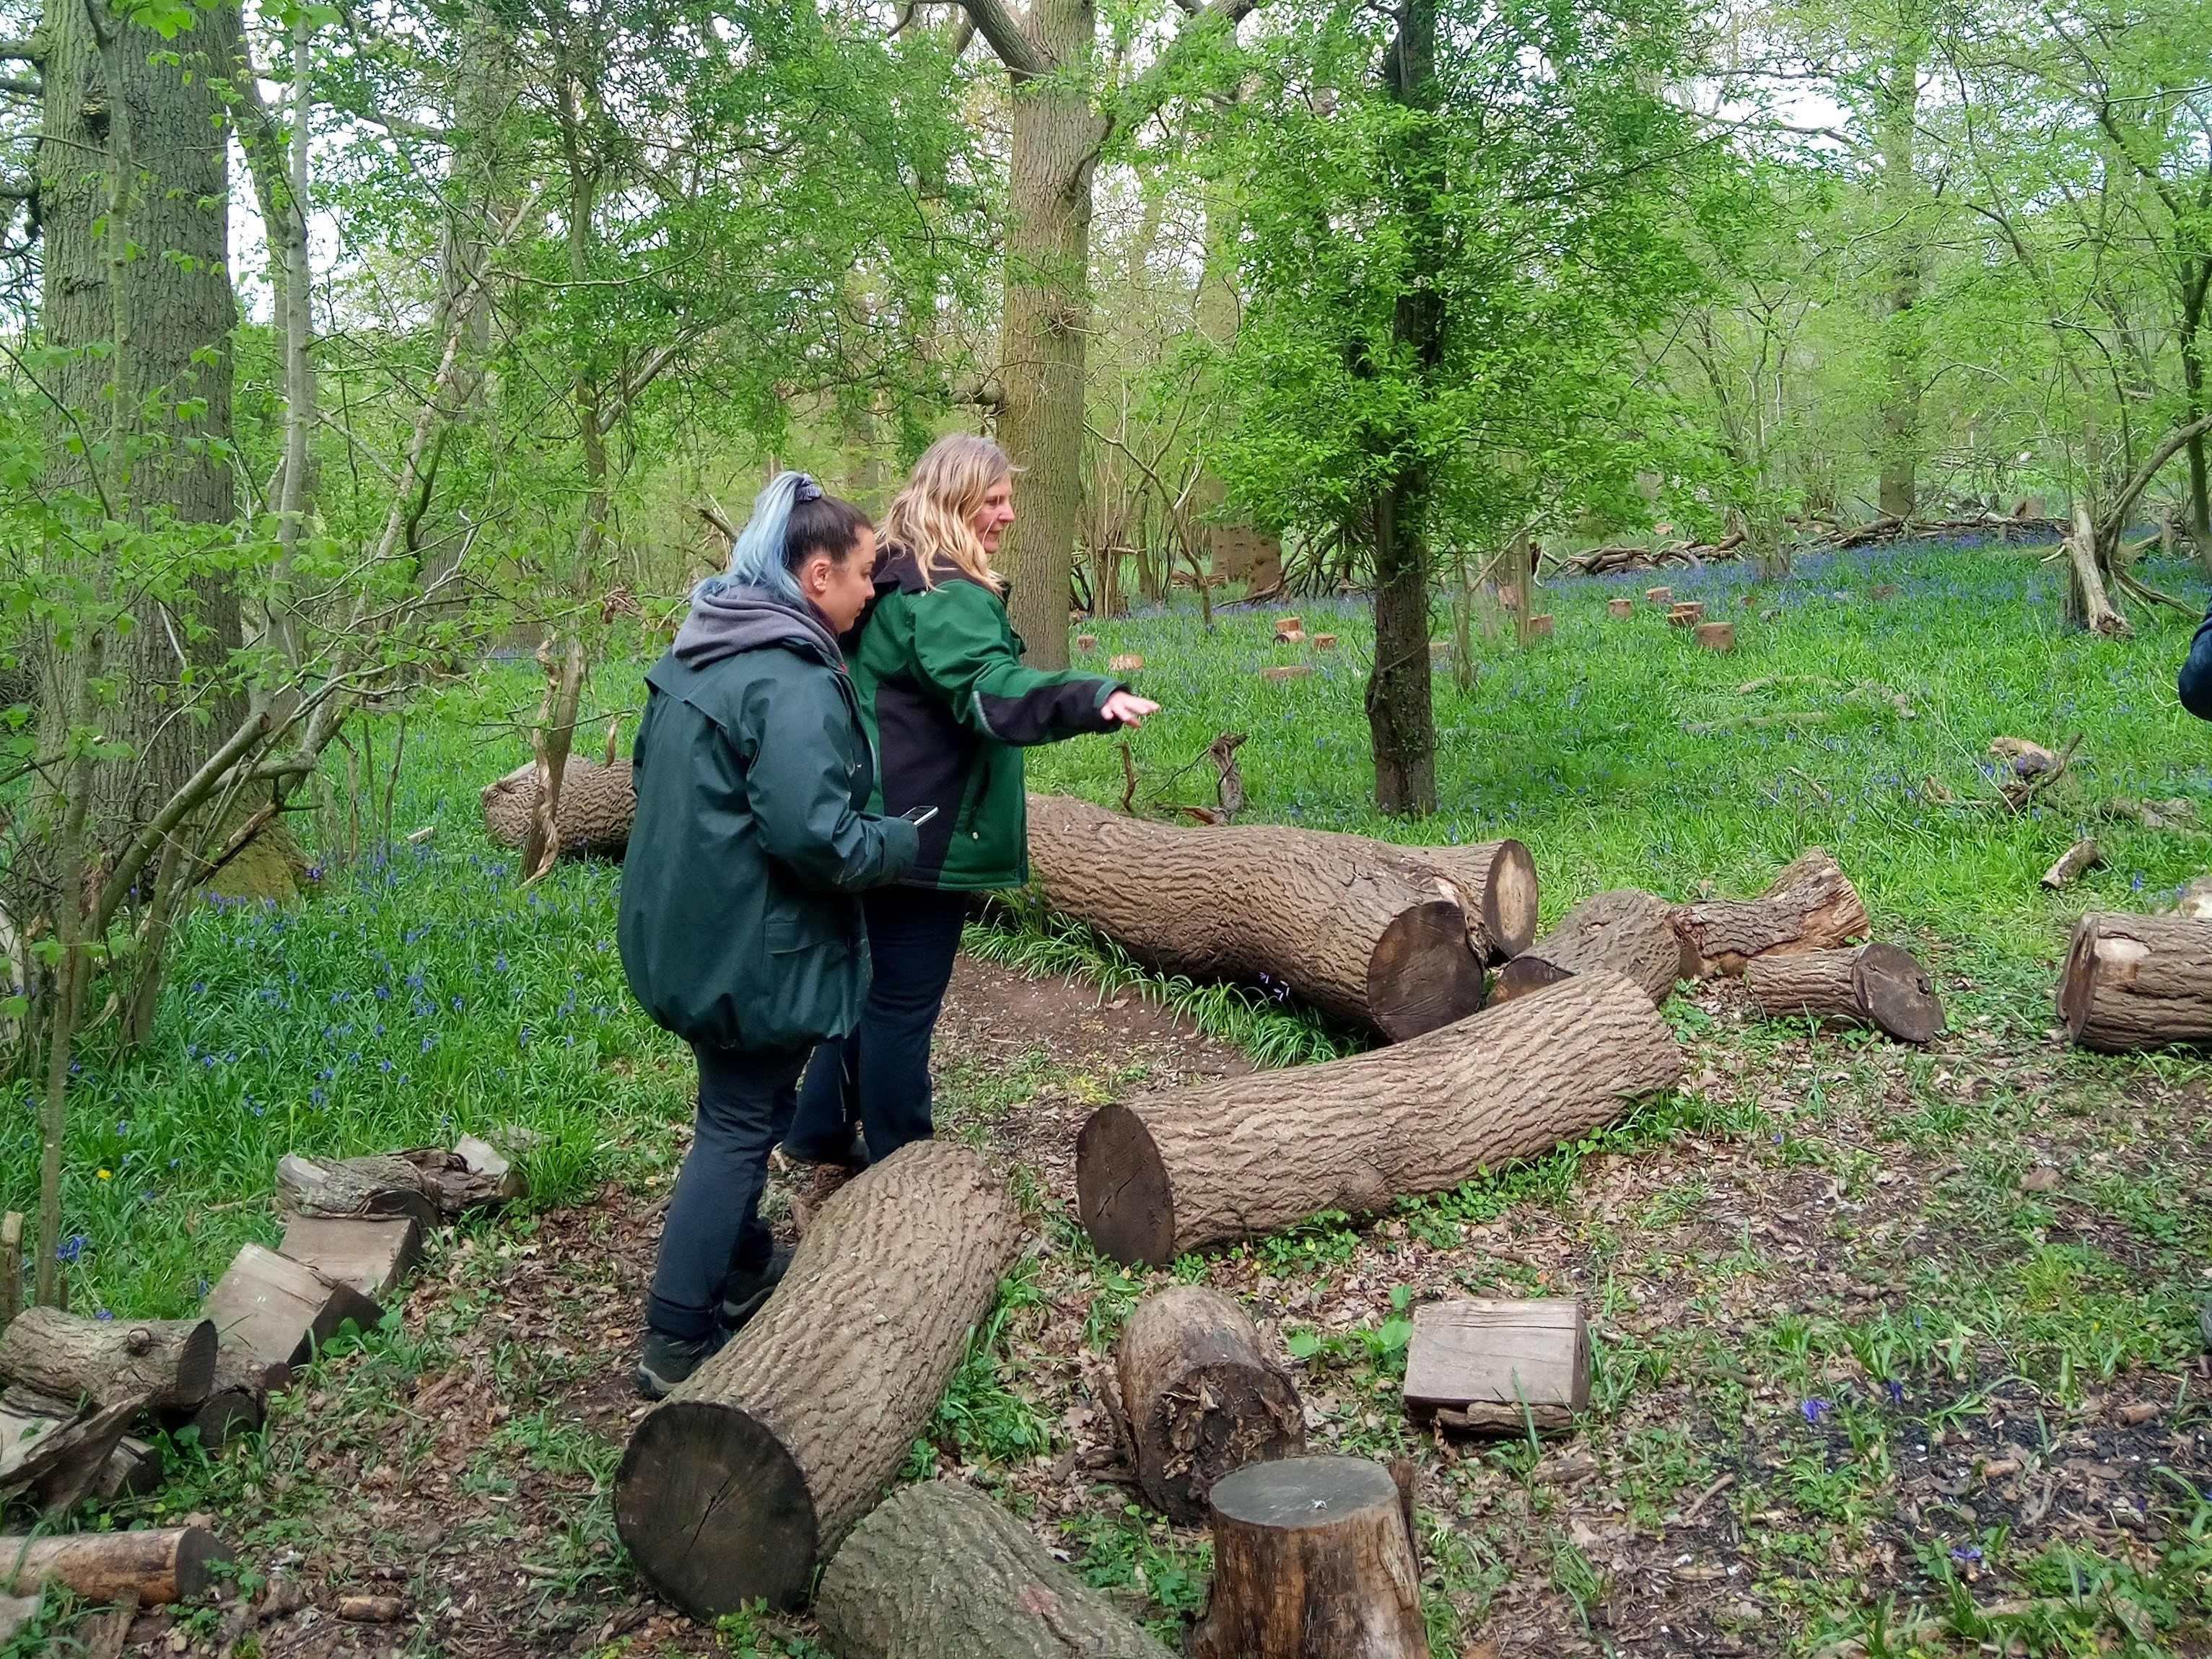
(595, 809)
(1202, 1397)
(1879, 984)
(939, 1571)
(1312, 1559)
(1811, 906)
(1248, 1156)
(1476, 1363)
(1325, 916)
(1629, 932)
(164, 1362)
(166, 1565)
(2135, 983)
(1492, 882)
(752, 1471)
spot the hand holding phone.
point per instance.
(919, 815)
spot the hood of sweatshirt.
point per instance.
(727, 619)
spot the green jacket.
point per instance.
(739, 920)
(949, 708)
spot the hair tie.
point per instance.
(806, 489)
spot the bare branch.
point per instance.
(31, 49)
(996, 25)
(2116, 516)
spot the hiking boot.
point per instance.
(745, 1293)
(667, 1360)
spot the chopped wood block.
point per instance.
(1717, 635)
(1501, 1354)
(1659, 596)
(2133, 982)
(1539, 628)
(1324, 642)
(1086, 642)
(274, 1312)
(1128, 664)
(1619, 608)
(1879, 984)
(2081, 855)
(1686, 614)
(1285, 627)
(371, 1256)
(1508, 595)
(1201, 1396)
(1281, 671)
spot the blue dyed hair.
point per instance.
(757, 557)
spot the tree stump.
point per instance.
(1686, 614)
(1621, 610)
(1289, 627)
(158, 1567)
(2133, 982)
(1879, 984)
(596, 806)
(1187, 1168)
(163, 1361)
(755, 1469)
(1324, 642)
(1312, 1559)
(1659, 596)
(939, 1571)
(1201, 1396)
(1717, 635)
(1810, 906)
(1540, 626)
(1627, 931)
(273, 1312)
(1086, 643)
(1327, 915)
(1493, 1366)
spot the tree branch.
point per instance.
(2116, 517)
(1023, 60)
(30, 50)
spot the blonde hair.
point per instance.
(932, 518)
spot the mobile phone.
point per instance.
(919, 815)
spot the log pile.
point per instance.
(754, 1469)
(1635, 555)
(1190, 1168)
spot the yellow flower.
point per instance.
(103, 1175)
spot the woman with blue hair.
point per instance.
(740, 921)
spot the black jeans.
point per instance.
(878, 1078)
(714, 1227)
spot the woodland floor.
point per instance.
(1813, 1426)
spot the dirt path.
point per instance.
(1774, 1283)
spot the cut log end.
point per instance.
(1122, 1192)
(1421, 975)
(1509, 899)
(709, 1497)
(1897, 994)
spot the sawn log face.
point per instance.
(2135, 983)
(1877, 984)
(757, 1467)
(1183, 1170)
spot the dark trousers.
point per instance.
(878, 1079)
(714, 1227)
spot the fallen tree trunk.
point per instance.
(2133, 982)
(1879, 984)
(1492, 882)
(157, 1567)
(1202, 1398)
(1336, 922)
(1248, 1156)
(1631, 932)
(753, 1470)
(596, 806)
(939, 1571)
(1810, 906)
(164, 1362)
(1312, 1559)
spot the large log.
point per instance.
(756, 1467)
(164, 1362)
(1879, 984)
(1810, 906)
(1631, 932)
(1192, 1167)
(1492, 882)
(157, 1567)
(939, 1571)
(597, 806)
(2135, 983)
(1312, 1559)
(1201, 1397)
(1337, 923)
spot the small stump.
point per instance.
(1289, 627)
(1324, 642)
(1539, 628)
(1659, 596)
(1619, 609)
(1717, 635)
(1126, 664)
(1086, 642)
(1686, 614)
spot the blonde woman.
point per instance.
(950, 706)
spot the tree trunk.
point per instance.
(1629, 932)
(1184, 1169)
(1047, 318)
(755, 1469)
(1901, 341)
(157, 1567)
(1810, 906)
(1878, 985)
(1500, 1366)
(2195, 285)
(1328, 920)
(1492, 882)
(2087, 602)
(598, 806)
(939, 1571)
(1201, 1396)
(1312, 1559)
(2133, 982)
(169, 1362)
